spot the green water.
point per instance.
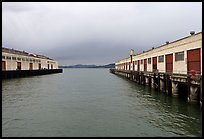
(93, 103)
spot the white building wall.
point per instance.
(12, 64)
(185, 44)
(149, 66)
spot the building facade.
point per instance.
(182, 56)
(20, 60)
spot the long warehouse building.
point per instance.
(182, 56)
(20, 60)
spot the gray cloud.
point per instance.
(95, 33)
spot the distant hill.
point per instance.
(89, 66)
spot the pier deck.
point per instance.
(172, 84)
(24, 73)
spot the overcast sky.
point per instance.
(95, 33)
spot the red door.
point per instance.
(193, 61)
(3, 65)
(169, 63)
(18, 65)
(145, 64)
(138, 65)
(154, 64)
(31, 66)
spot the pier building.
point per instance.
(17, 63)
(20, 60)
(169, 68)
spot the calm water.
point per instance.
(93, 102)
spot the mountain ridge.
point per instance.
(112, 65)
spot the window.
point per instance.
(23, 59)
(8, 57)
(142, 61)
(13, 58)
(27, 59)
(161, 58)
(3, 57)
(31, 60)
(18, 58)
(149, 60)
(179, 56)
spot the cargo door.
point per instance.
(18, 65)
(30, 66)
(169, 63)
(3, 65)
(154, 64)
(193, 61)
(145, 64)
(138, 65)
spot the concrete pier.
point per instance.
(171, 84)
(25, 73)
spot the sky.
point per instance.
(95, 32)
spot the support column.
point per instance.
(169, 85)
(194, 93)
(188, 82)
(162, 85)
(201, 92)
(174, 88)
(150, 79)
(159, 82)
(165, 83)
(154, 81)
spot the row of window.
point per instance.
(18, 67)
(179, 56)
(19, 59)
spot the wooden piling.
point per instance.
(154, 78)
(139, 78)
(150, 80)
(201, 92)
(164, 83)
(144, 79)
(159, 82)
(169, 85)
(188, 82)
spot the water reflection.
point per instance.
(93, 102)
(171, 114)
